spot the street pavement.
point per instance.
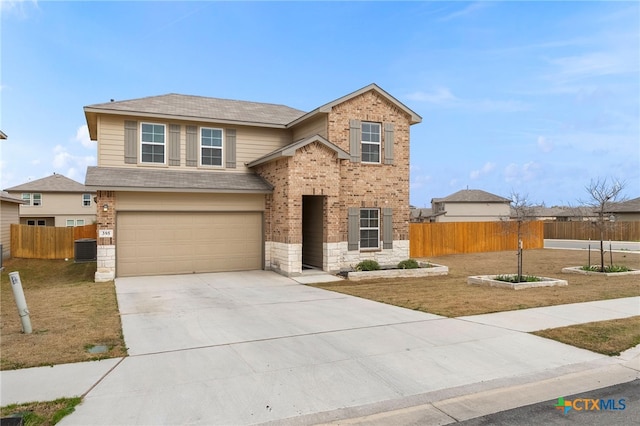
(628, 246)
(255, 347)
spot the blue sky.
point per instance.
(535, 98)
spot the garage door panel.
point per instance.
(174, 243)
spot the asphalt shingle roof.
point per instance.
(193, 107)
(53, 183)
(5, 196)
(132, 178)
(473, 196)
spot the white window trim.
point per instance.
(31, 199)
(79, 222)
(200, 146)
(86, 205)
(360, 228)
(165, 145)
(379, 143)
(31, 222)
(73, 223)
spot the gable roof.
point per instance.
(197, 108)
(415, 118)
(290, 150)
(2, 135)
(472, 196)
(133, 179)
(53, 183)
(5, 196)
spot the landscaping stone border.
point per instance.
(488, 280)
(579, 270)
(433, 270)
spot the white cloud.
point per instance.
(595, 64)
(544, 144)
(72, 166)
(17, 6)
(440, 95)
(473, 7)
(487, 168)
(444, 97)
(521, 172)
(82, 136)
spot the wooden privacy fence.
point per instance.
(586, 230)
(438, 239)
(47, 242)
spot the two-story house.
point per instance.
(470, 205)
(194, 184)
(55, 200)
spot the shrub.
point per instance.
(514, 278)
(368, 265)
(408, 264)
(611, 268)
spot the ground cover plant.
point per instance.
(517, 278)
(607, 268)
(41, 413)
(69, 314)
(451, 296)
(605, 337)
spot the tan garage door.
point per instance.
(180, 243)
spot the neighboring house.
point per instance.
(9, 214)
(626, 211)
(194, 184)
(55, 200)
(418, 215)
(2, 135)
(560, 213)
(470, 205)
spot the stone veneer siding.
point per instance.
(106, 250)
(316, 170)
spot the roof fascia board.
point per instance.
(180, 190)
(415, 118)
(290, 150)
(90, 110)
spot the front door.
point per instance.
(312, 230)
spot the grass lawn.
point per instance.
(451, 296)
(42, 413)
(605, 337)
(69, 314)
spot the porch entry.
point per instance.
(312, 231)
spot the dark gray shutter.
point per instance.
(192, 146)
(353, 229)
(388, 143)
(354, 140)
(174, 144)
(387, 228)
(230, 149)
(131, 142)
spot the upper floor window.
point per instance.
(32, 199)
(210, 147)
(86, 200)
(152, 139)
(370, 142)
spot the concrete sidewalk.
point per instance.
(248, 348)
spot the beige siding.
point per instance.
(8, 215)
(159, 201)
(251, 142)
(60, 206)
(474, 212)
(314, 126)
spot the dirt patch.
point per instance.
(451, 295)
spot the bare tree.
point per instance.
(522, 211)
(603, 194)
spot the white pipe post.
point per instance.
(21, 302)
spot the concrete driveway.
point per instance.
(253, 347)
